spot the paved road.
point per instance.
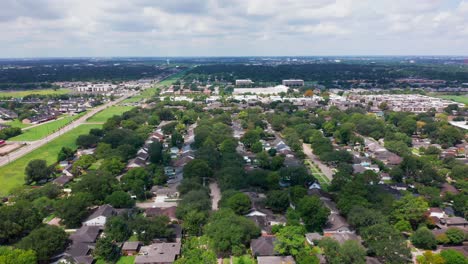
(327, 171)
(215, 195)
(39, 143)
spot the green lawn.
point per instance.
(109, 112)
(323, 180)
(150, 92)
(19, 94)
(12, 174)
(17, 123)
(246, 259)
(122, 260)
(457, 98)
(41, 131)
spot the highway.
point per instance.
(32, 145)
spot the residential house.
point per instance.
(276, 260)
(170, 212)
(131, 248)
(100, 216)
(158, 253)
(82, 245)
(263, 246)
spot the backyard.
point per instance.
(13, 173)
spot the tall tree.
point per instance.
(46, 241)
(36, 171)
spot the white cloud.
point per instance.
(231, 27)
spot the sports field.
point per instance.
(19, 94)
(12, 174)
(41, 131)
(109, 112)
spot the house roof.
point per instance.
(158, 253)
(62, 180)
(103, 210)
(335, 222)
(86, 234)
(448, 188)
(131, 245)
(276, 260)
(168, 211)
(263, 246)
(456, 221)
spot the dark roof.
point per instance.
(168, 211)
(456, 221)
(62, 180)
(263, 246)
(86, 234)
(103, 210)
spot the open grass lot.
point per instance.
(457, 98)
(109, 112)
(41, 131)
(150, 92)
(246, 259)
(19, 94)
(17, 123)
(12, 174)
(323, 180)
(122, 260)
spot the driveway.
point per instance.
(215, 195)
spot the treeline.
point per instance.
(59, 73)
(329, 72)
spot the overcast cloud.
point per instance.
(50, 28)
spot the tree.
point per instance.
(331, 249)
(149, 228)
(239, 203)
(46, 241)
(430, 258)
(361, 217)
(137, 181)
(424, 239)
(155, 152)
(250, 138)
(193, 222)
(455, 235)
(36, 171)
(386, 243)
(106, 249)
(195, 250)
(118, 229)
(177, 140)
(17, 220)
(197, 168)
(410, 208)
(290, 240)
(452, 256)
(297, 193)
(313, 213)
(83, 163)
(10, 255)
(351, 252)
(98, 184)
(112, 165)
(278, 200)
(229, 233)
(229, 145)
(87, 141)
(196, 200)
(73, 209)
(120, 199)
(257, 147)
(65, 153)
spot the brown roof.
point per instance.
(131, 245)
(276, 260)
(168, 211)
(158, 253)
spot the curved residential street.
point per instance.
(32, 145)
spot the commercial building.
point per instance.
(293, 83)
(244, 82)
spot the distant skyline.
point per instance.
(165, 28)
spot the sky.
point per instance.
(107, 28)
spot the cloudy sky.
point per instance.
(51, 28)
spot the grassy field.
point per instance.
(19, 94)
(323, 180)
(41, 131)
(109, 112)
(12, 174)
(17, 123)
(457, 98)
(150, 92)
(246, 259)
